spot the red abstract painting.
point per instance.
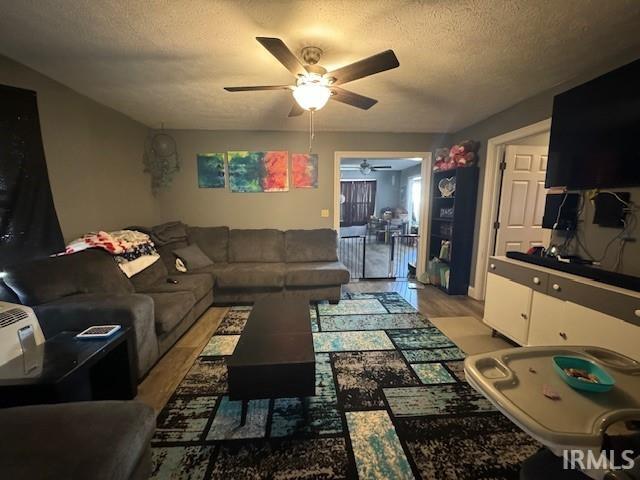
(305, 170)
(276, 172)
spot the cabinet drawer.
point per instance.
(605, 301)
(528, 277)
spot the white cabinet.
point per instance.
(536, 307)
(558, 322)
(507, 307)
(549, 323)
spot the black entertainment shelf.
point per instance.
(455, 227)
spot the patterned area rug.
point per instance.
(391, 402)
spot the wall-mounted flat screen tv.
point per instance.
(595, 133)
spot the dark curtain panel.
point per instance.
(28, 221)
(359, 204)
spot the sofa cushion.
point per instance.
(170, 308)
(212, 270)
(154, 273)
(192, 257)
(197, 283)
(167, 256)
(251, 275)
(103, 440)
(320, 245)
(7, 294)
(316, 274)
(47, 279)
(265, 245)
(213, 241)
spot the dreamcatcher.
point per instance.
(161, 159)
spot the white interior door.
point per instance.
(522, 200)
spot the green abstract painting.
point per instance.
(211, 170)
(259, 171)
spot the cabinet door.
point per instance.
(557, 322)
(507, 307)
(548, 324)
(590, 327)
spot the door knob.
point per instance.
(523, 315)
(492, 266)
(556, 287)
(536, 280)
(563, 335)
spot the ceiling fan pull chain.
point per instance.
(312, 133)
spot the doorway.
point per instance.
(492, 196)
(381, 205)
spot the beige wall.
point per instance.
(298, 208)
(535, 109)
(94, 156)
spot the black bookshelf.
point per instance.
(453, 219)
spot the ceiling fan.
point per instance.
(365, 167)
(314, 86)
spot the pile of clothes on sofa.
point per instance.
(133, 250)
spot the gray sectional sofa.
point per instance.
(107, 440)
(72, 292)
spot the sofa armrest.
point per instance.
(103, 440)
(77, 312)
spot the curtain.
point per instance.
(29, 225)
(359, 202)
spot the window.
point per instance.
(358, 202)
(415, 194)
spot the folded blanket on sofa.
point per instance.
(133, 251)
(168, 232)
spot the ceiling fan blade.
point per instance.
(369, 66)
(257, 88)
(382, 167)
(351, 98)
(296, 110)
(278, 49)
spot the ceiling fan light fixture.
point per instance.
(365, 168)
(311, 92)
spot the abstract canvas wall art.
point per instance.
(258, 171)
(211, 170)
(304, 169)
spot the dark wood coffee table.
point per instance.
(274, 356)
(70, 370)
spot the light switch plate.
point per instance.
(324, 213)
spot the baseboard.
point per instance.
(473, 293)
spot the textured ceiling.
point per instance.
(460, 60)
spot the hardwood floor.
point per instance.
(430, 301)
(156, 389)
(161, 382)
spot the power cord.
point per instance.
(555, 225)
(623, 236)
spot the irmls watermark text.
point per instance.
(588, 460)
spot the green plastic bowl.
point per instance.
(606, 381)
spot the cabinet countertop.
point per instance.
(568, 276)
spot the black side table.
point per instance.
(67, 369)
